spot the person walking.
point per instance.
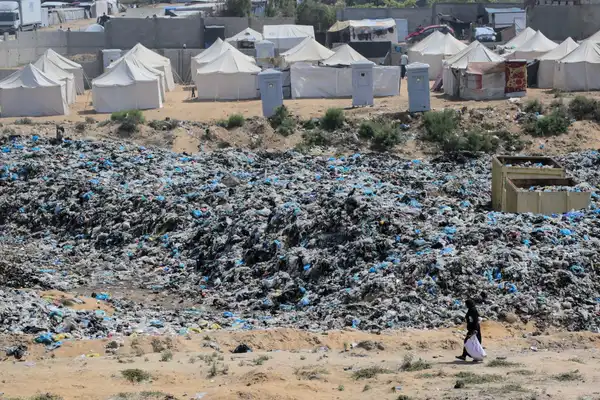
(473, 327)
(403, 64)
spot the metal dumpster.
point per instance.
(523, 195)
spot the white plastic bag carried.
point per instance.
(476, 352)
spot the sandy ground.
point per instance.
(308, 366)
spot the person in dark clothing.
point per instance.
(473, 327)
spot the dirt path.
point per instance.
(291, 364)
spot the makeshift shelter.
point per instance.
(344, 56)
(30, 92)
(287, 36)
(229, 77)
(549, 60)
(495, 80)
(245, 39)
(580, 69)
(533, 49)
(435, 51)
(454, 66)
(67, 65)
(212, 53)
(520, 39)
(127, 86)
(150, 59)
(309, 50)
(55, 73)
(364, 30)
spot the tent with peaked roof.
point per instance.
(520, 39)
(67, 65)
(595, 37)
(533, 49)
(475, 52)
(549, 60)
(435, 51)
(126, 86)
(309, 50)
(286, 37)
(247, 35)
(150, 59)
(580, 69)
(231, 76)
(434, 37)
(212, 53)
(59, 75)
(344, 56)
(31, 93)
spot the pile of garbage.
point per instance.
(249, 241)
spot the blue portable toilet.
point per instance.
(417, 76)
(270, 83)
(362, 83)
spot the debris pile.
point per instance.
(247, 241)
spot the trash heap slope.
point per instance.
(285, 239)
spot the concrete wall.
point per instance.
(415, 16)
(124, 33)
(467, 12)
(560, 22)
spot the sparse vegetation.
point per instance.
(522, 372)
(502, 364)
(222, 144)
(431, 375)
(310, 124)
(261, 360)
(471, 378)
(222, 123)
(90, 120)
(369, 373)
(439, 125)
(577, 360)
(408, 365)
(403, 397)
(24, 121)
(235, 121)
(165, 125)
(569, 376)
(366, 388)
(313, 372)
(383, 136)
(9, 131)
(217, 369)
(166, 356)
(135, 375)
(583, 108)
(129, 120)
(341, 388)
(142, 396)
(282, 121)
(104, 123)
(555, 123)
(157, 345)
(315, 138)
(46, 396)
(333, 119)
(534, 106)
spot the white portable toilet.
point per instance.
(362, 83)
(265, 51)
(417, 75)
(109, 56)
(270, 83)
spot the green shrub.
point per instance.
(333, 119)
(80, 127)
(24, 121)
(310, 124)
(235, 121)
(316, 138)
(135, 375)
(282, 121)
(554, 124)
(166, 356)
(367, 129)
(439, 125)
(133, 116)
(222, 123)
(534, 106)
(409, 365)
(128, 127)
(166, 125)
(287, 127)
(479, 141)
(386, 138)
(582, 107)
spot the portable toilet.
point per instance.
(109, 56)
(270, 83)
(417, 75)
(362, 83)
(265, 51)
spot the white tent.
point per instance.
(433, 38)
(150, 59)
(595, 37)
(247, 35)
(309, 50)
(211, 54)
(344, 56)
(31, 93)
(287, 36)
(549, 60)
(520, 39)
(435, 51)
(67, 65)
(475, 52)
(533, 49)
(126, 86)
(56, 74)
(580, 69)
(230, 77)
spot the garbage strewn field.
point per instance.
(239, 240)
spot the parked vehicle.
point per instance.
(422, 32)
(485, 34)
(20, 15)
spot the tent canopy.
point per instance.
(287, 36)
(567, 46)
(230, 62)
(309, 50)
(29, 77)
(534, 48)
(588, 52)
(520, 39)
(126, 72)
(344, 55)
(248, 34)
(447, 45)
(60, 61)
(580, 69)
(436, 36)
(60, 75)
(150, 59)
(475, 52)
(595, 37)
(363, 23)
(215, 50)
